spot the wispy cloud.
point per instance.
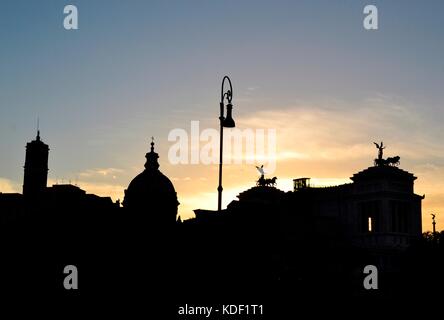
(342, 131)
(103, 189)
(9, 186)
(328, 142)
(101, 172)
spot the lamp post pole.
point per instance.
(226, 122)
(434, 224)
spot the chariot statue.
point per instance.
(390, 161)
(262, 181)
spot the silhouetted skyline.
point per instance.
(138, 69)
(329, 189)
(316, 241)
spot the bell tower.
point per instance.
(36, 167)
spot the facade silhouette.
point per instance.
(36, 167)
(37, 197)
(312, 242)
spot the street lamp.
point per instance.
(226, 122)
(434, 224)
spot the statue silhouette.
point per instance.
(380, 148)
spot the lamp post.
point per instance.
(433, 224)
(226, 122)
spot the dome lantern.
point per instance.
(151, 158)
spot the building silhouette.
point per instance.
(36, 167)
(152, 194)
(311, 241)
(47, 207)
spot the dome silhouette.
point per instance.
(151, 193)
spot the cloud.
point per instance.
(104, 182)
(340, 131)
(101, 172)
(9, 186)
(114, 191)
(103, 189)
(329, 142)
(207, 200)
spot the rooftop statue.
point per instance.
(262, 182)
(380, 161)
(380, 148)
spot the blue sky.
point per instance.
(137, 69)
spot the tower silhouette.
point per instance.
(36, 167)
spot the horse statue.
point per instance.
(390, 161)
(393, 161)
(270, 182)
(262, 182)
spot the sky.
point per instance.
(306, 69)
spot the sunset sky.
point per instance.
(307, 69)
